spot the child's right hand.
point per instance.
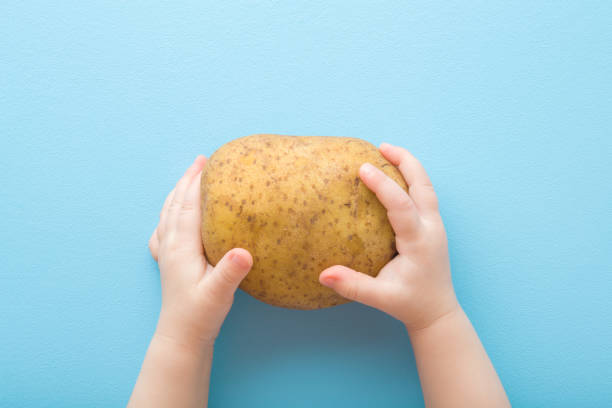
(415, 287)
(196, 296)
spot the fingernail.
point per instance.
(384, 145)
(239, 261)
(328, 280)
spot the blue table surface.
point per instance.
(104, 104)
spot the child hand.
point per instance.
(415, 287)
(196, 296)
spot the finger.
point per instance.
(225, 277)
(401, 211)
(188, 228)
(353, 285)
(167, 202)
(164, 214)
(154, 244)
(420, 188)
(178, 201)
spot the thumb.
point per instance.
(352, 285)
(229, 272)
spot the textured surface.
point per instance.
(297, 204)
(104, 104)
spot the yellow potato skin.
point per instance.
(296, 203)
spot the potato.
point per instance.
(297, 204)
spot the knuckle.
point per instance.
(164, 208)
(187, 206)
(383, 187)
(182, 206)
(171, 243)
(174, 205)
(351, 290)
(425, 187)
(428, 186)
(403, 202)
(399, 203)
(226, 276)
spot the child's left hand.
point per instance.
(196, 296)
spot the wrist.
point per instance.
(172, 331)
(176, 345)
(448, 314)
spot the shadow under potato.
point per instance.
(256, 332)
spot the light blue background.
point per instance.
(104, 104)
